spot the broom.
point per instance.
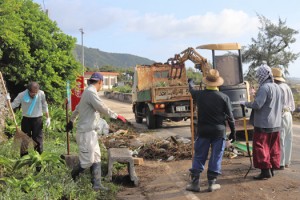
(21, 139)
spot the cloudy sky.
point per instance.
(158, 29)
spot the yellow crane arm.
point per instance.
(192, 55)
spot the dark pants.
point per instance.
(33, 127)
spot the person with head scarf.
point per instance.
(286, 133)
(267, 108)
(214, 109)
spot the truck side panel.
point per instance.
(144, 96)
(169, 94)
(158, 76)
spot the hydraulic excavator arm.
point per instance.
(191, 54)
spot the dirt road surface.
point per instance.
(167, 180)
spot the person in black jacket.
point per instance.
(214, 109)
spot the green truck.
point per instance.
(160, 92)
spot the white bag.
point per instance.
(102, 127)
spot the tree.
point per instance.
(271, 47)
(194, 74)
(33, 48)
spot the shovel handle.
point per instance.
(245, 123)
(192, 124)
(67, 120)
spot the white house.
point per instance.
(109, 79)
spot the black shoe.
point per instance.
(76, 171)
(272, 172)
(281, 167)
(264, 175)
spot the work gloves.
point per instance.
(69, 126)
(48, 122)
(191, 82)
(242, 103)
(232, 136)
(7, 96)
(121, 118)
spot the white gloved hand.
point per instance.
(242, 103)
(48, 122)
(7, 96)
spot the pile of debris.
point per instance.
(144, 145)
(166, 150)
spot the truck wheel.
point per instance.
(159, 121)
(138, 119)
(150, 120)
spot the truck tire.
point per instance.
(138, 119)
(159, 121)
(150, 120)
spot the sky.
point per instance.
(158, 29)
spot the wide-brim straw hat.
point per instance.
(213, 78)
(277, 74)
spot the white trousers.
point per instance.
(89, 150)
(286, 138)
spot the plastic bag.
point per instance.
(102, 127)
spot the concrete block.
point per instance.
(121, 155)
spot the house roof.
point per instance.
(88, 74)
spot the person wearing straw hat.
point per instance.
(33, 104)
(89, 107)
(286, 133)
(267, 108)
(214, 109)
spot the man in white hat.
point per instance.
(286, 133)
(214, 109)
(267, 108)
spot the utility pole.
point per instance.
(82, 51)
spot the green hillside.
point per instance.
(95, 58)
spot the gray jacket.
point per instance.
(267, 107)
(86, 110)
(40, 106)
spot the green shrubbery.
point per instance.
(123, 89)
(18, 176)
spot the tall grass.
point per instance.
(18, 176)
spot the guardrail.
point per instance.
(124, 97)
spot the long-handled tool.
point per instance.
(20, 137)
(67, 120)
(192, 124)
(247, 140)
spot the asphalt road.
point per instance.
(183, 128)
(169, 128)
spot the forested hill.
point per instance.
(95, 58)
